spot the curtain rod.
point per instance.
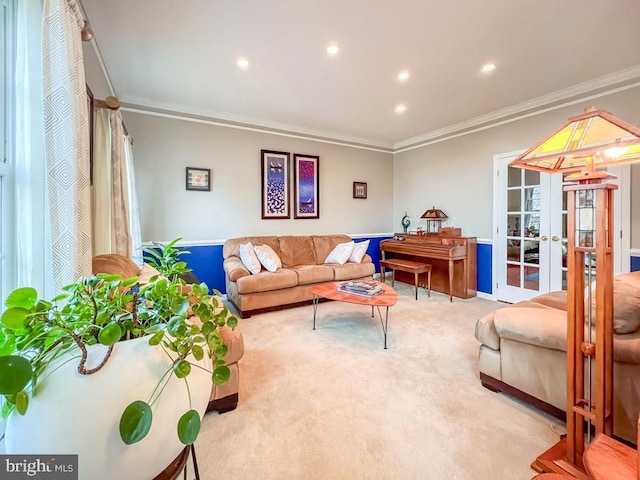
(112, 103)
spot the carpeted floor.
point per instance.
(333, 404)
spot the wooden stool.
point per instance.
(407, 266)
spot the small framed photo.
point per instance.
(199, 179)
(359, 190)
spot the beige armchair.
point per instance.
(523, 352)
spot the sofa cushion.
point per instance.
(323, 244)
(297, 250)
(556, 299)
(249, 258)
(359, 250)
(234, 268)
(267, 281)
(626, 348)
(308, 274)
(340, 253)
(268, 257)
(231, 247)
(351, 271)
(626, 302)
(540, 326)
(114, 264)
(486, 332)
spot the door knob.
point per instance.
(544, 238)
(555, 238)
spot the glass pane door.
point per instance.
(525, 212)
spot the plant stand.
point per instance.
(180, 465)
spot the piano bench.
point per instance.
(407, 266)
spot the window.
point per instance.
(7, 123)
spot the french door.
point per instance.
(530, 234)
(530, 230)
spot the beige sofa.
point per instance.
(302, 265)
(523, 352)
(224, 397)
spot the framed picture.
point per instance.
(359, 190)
(199, 179)
(306, 186)
(275, 185)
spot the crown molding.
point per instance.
(223, 119)
(605, 85)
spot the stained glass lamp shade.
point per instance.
(585, 142)
(434, 217)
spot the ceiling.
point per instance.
(181, 56)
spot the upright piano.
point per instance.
(452, 258)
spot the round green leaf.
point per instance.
(15, 318)
(198, 352)
(24, 297)
(176, 326)
(221, 375)
(232, 322)
(207, 328)
(135, 422)
(15, 374)
(221, 351)
(189, 427)
(156, 338)
(110, 334)
(8, 346)
(22, 402)
(182, 368)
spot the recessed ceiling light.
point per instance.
(403, 75)
(242, 62)
(332, 49)
(488, 67)
(401, 107)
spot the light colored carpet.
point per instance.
(333, 404)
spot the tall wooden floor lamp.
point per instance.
(594, 139)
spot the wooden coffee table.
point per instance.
(387, 298)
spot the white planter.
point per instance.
(80, 414)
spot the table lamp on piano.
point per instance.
(434, 217)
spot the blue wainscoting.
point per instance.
(635, 264)
(206, 263)
(485, 266)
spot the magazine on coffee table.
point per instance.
(362, 288)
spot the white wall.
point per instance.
(456, 175)
(163, 147)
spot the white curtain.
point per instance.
(66, 130)
(116, 227)
(32, 264)
(134, 217)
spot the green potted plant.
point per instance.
(106, 343)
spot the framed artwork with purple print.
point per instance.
(275, 185)
(306, 190)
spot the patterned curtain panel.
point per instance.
(66, 131)
(111, 196)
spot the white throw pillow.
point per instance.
(268, 258)
(249, 258)
(341, 253)
(359, 249)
